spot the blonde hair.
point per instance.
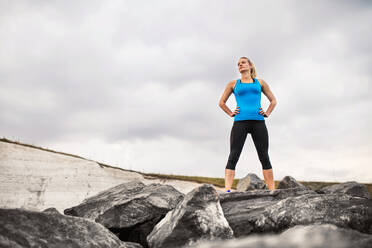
(253, 69)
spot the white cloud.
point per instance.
(138, 84)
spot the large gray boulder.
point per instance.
(350, 188)
(130, 210)
(250, 182)
(312, 236)
(289, 182)
(264, 213)
(23, 228)
(238, 205)
(197, 218)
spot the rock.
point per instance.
(237, 205)
(25, 228)
(252, 199)
(130, 210)
(262, 214)
(289, 182)
(350, 188)
(51, 211)
(312, 236)
(198, 217)
(250, 182)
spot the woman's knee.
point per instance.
(230, 166)
(266, 166)
(265, 162)
(231, 163)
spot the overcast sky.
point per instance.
(136, 84)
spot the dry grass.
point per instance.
(220, 182)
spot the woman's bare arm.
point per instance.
(226, 94)
(267, 91)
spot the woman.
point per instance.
(248, 118)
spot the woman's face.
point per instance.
(243, 65)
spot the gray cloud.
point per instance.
(148, 71)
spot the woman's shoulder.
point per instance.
(232, 83)
(261, 81)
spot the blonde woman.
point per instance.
(248, 118)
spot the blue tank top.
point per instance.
(248, 98)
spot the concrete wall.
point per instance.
(34, 179)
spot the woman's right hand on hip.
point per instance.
(236, 111)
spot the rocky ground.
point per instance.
(134, 214)
(53, 201)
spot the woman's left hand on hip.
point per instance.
(263, 113)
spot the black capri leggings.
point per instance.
(258, 131)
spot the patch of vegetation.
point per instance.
(220, 182)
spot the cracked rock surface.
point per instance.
(197, 218)
(24, 228)
(271, 212)
(312, 236)
(130, 210)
